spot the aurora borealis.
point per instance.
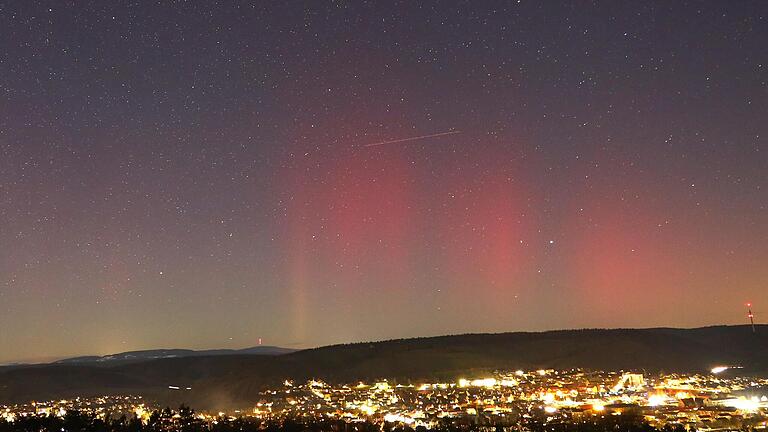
(200, 174)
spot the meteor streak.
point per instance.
(412, 138)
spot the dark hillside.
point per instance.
(235, 380)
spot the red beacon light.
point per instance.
(751, 316)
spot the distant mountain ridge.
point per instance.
(175, 353)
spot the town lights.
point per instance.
(656, 400)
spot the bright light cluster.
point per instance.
(696, 401)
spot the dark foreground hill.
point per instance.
(235, 380)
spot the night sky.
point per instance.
(199, 175)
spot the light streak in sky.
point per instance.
(412, 138)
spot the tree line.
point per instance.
(184, 419)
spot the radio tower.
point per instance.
(751, 316)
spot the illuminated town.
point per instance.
(510, 399)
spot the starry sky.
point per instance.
(199, 174)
